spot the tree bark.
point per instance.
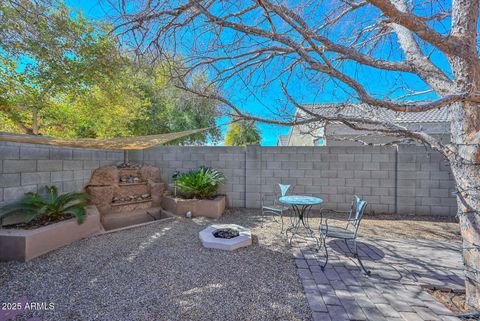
(465, 130)
(35, 122)
(468, 199)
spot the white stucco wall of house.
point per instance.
(340, 135)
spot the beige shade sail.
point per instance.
(121, 143)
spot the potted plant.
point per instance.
(41, 222)
(198, 191)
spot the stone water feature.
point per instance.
(127, 194)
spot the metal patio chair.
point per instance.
(276, 208)
(346, 233)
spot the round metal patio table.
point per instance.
(301, 206)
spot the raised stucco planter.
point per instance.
(24, 245)
(213, 208)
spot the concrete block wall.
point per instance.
(334, 174)
(407, 180)
(26, 168)
(229, 160)
(425, 182)
(410, 180)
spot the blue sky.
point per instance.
(254, 101)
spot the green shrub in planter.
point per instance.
(48, 207)
(201, 183)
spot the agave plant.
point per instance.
(34, 206)
(201, 183)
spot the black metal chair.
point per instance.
(346, 233)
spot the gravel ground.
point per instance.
(161, 272)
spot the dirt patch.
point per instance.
(400, 226)
(418, 227)
(454, 300)
(43, 221)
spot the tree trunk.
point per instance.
(35, 121)
(468, 199)
(465, 130)
(465, 164)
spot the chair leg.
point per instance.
(276, 221)
(281, 218)
(294, 231)
(324, 239)
(355, 254)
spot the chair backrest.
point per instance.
(356, 213)
(284, 189)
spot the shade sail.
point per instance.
(121, 143)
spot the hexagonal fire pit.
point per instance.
(227, 237)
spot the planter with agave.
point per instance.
(196, 192)
(40, 223)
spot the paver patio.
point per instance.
(394, 291)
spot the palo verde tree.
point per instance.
(333, 46)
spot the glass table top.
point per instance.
(300, 200)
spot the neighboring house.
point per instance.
(282, 140)
(434, 122)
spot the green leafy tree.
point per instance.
(63, 75)
(107, 110)
(242, 133)
(139, 100)
(47, 51)
(171, 109)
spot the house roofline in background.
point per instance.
(440, 115)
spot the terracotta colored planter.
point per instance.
(206, 208)
(24, 245)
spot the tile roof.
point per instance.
(353, 109)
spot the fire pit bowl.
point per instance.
(224, 237)
(226, 233)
